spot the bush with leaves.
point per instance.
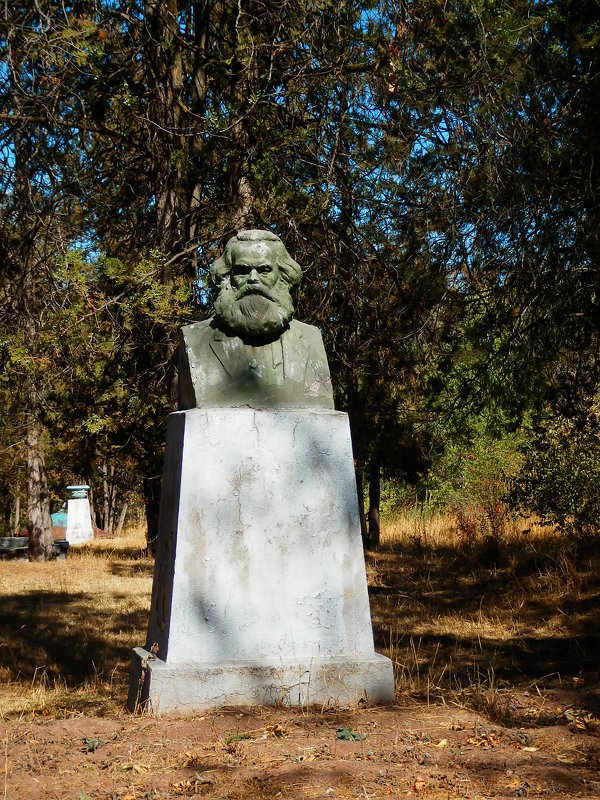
(561, 475)
(473, 478)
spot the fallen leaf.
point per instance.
(137, 768)
(530, 749)
(232, 742)
(441, 743)
(186, 787)
(486, 740)
(564, 759)
(277, 731)
(206, 777)
(308, 755)
(191, 759)
(581, 718)
(90, 744)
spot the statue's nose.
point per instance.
(253, 277)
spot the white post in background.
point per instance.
(79, 518)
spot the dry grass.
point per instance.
(66, 628)
(477, 615)
(459, 617)
(443, 530)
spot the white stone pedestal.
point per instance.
(79, 516)
(259, 592)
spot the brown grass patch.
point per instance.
(460, 618)
(66, 628)
(480, 615)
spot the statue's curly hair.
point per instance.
(290, 269)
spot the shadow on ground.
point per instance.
(65, 635)
(456, 617)
(124, 567)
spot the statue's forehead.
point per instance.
(255, 251)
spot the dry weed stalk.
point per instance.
(5, 766)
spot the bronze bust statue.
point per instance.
(252, 353)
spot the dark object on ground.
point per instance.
(17, 547)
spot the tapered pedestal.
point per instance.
(259, 592)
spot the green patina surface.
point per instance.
(252, 353)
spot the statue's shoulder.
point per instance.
(194, 346)
(197, 332)
(197, 327)
(309, 339)
(301, 329)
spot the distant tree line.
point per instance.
(434, 167)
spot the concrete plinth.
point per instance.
(259, 591)
(188, 687)
(79, 517)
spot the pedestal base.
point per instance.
(160, 688)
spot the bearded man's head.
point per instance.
(254, 277)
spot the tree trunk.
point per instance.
(93, 513)
(355, 416)
(244, 80)
(121, 521)
(39, 522)
(374, 501)
(112, 511)
(360, 491)
(164, 78)
(242, 197)
(109, 492)
(16, 523)
(105, 500)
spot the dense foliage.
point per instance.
(433, 167)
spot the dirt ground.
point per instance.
(550, 748)
(496, 655)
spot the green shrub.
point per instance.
(472, 479)
(560, 479)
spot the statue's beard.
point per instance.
(255, 311)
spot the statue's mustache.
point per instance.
(254, 308)
(254, 288)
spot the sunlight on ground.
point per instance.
(442, 530)
(455, 614)
(481, 613)
(67, 627)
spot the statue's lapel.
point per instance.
(225, 355)
(295, 354)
